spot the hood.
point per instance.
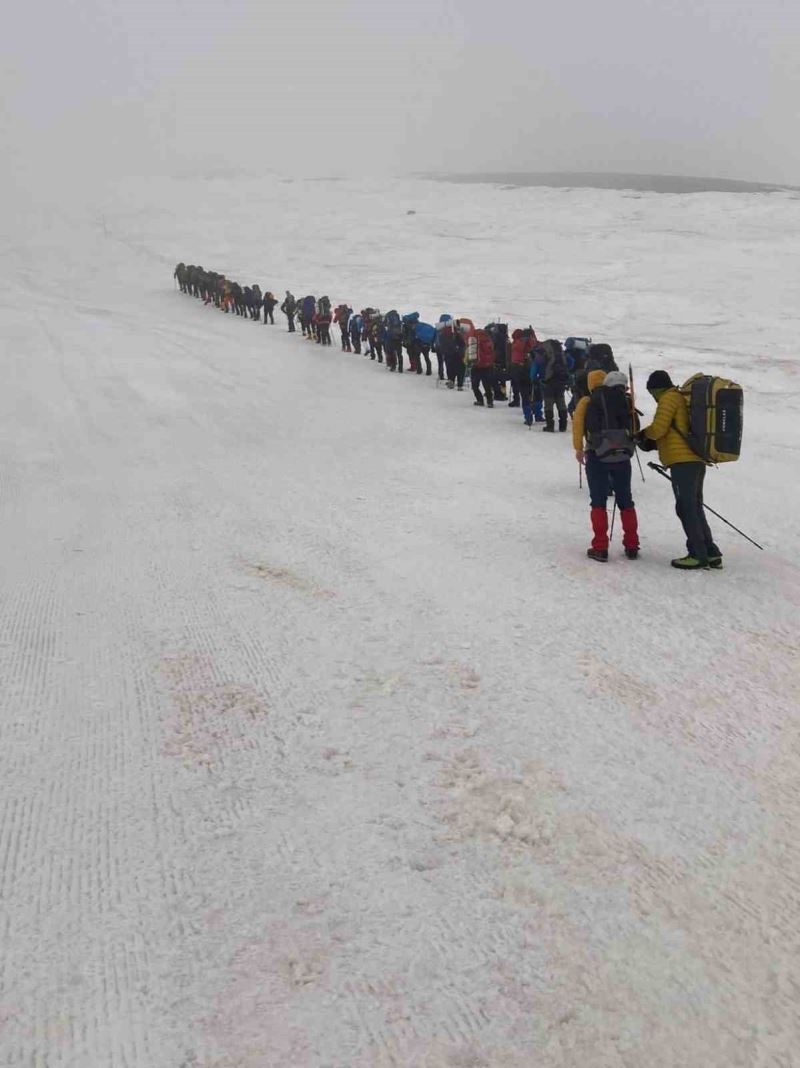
(595, 379)
(615, 379)
(516, 335)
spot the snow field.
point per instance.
(322, 742)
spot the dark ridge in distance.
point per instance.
(642, 183)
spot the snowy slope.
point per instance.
(323, 744)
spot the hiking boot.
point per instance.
(460, 389)
(690, 563)
(490, 404)
(450, 385)
(528, 423)
(597, 554)
(548, 429)
(513, 404)
(715, 562)
(632, 554)
(477, 404)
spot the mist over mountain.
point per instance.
(119, 87)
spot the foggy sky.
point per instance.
(700, 87)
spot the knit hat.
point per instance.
(615, 378)
(659, 380)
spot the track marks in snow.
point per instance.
(716, 912)
(211, 717)
(284, 576)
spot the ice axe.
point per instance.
(634, 413)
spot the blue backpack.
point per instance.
(426, 333)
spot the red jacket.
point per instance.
(486, 353)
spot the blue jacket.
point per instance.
(356, 325)
(309, 307)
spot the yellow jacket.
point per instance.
(593, 380)
(672, 415)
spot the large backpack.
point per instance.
(608, 425)
(498, 332)
(716, 408)
(577, 350)
(555, 366)
(324, 305)
(601, 358)
(394, 327)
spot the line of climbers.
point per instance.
(605, 421)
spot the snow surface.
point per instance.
(322, 742)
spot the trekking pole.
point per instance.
(580, 475)
(639, 462)
(662, 471)
(613, 517)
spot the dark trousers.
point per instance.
(687, 485)
(377, 349)
(554, 396)
(345, 339)
(455, 368)
(290, 317)
(425, 350)
(603, 478)
(394, 353)
(515, 374)
(356, 339)
(414, 362)
(441, 362)
(268, 313)
(500, 376)
(483, 376)
(521, 385)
